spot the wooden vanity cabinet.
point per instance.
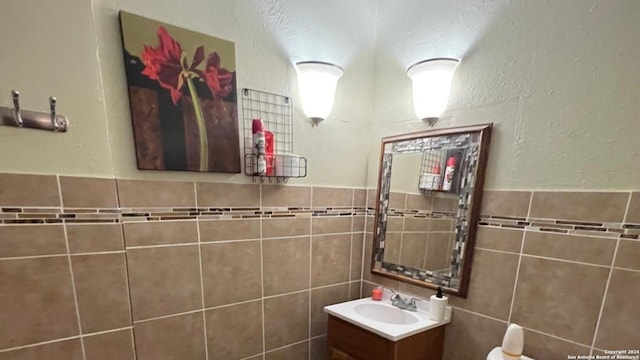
(346, 341)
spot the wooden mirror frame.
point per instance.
(474, 213)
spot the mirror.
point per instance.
(429, 193)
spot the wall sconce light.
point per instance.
(317, 85)
(431, 84)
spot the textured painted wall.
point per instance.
(44, 55)
(270, 36)
(558, 79)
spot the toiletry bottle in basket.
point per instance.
(259, 144)
(449, 171)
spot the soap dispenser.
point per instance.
(437, 306)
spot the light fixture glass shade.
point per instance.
(317, 85)
(431, 84)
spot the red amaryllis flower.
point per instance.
(167, 63)
(218, 79)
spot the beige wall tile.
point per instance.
(357, 241)
(418, 202)
(581, 206)
(331, 224)
(418, 291)
(234, 332)
(82, 192)
(539, 346)
(471, 336)
(438, 255)
(28, 190)
(570, 247)
(174, 338)
(63, 350)
(145, 194)
(499, 239)
(110, 346)
(219, 230)
(393, 242)
(358, 224)
(368, 247)
(395, 223)
(445, 204)
(332, 197)
(442, 225)
(101, 289)
(319, 299)
(286, 319)
(413, 250)
(228, 195)
(355, 290)
(330, 255)
(297, 351)
(359, 197)
(164, 280)
(86, 238)
(559, 298)
(37, 300)
(273, 228)
(493, 277)
(505, 203)
(414, 224)
(370, 224)
(372, 198)
(628, 255)
(231, 272)
(286, 264)
(619, 328)
(286, 196)
(319, 348)
(160, 233)
(31, 240)
(633, 215)
(396, 201)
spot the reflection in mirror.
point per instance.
(425, 216)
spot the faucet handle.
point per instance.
(413, 300)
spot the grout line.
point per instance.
(108, 331)
(289, 345)
(126, 274)
(232, 304)
(33, 257)
(515, 281)
(204, 317)
(564, 260)
(604, 296)
(161, 246)
(166, 316)
(40, 343)
(479, 314)
(626, 269)
(555, 337)
(626, 210)
(264, 340)
(310, 269)
(73, 280)
(353, 202)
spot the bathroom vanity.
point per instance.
(374, 330)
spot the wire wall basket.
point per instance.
(276, 113)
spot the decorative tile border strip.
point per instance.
(601, 229)
(30, 215)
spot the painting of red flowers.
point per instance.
(182, 96)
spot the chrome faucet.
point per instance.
(400, 303)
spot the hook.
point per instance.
(52, 106)
(16, 108)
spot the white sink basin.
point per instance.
(385, 314)
(385, 320)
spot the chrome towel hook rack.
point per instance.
(33, 119)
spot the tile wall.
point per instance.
(564, 265)
(94, 269)
(420, 231)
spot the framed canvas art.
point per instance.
(183, 99)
